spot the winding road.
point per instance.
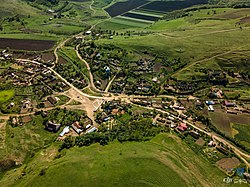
(87, 101)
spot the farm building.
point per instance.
(179, 107)
(88, 32)
(229, 104)
(52, 100)
(211, 143)
(52, 126)
(77, 127)
(231, 112)
(65, 131)
(79, 39)
(92, 130)
(211, 108)
(182, 127)
(246, 175)
(88, 126)
(222, 150)
(194, 134)
(210, 102)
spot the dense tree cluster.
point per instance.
(141, 130)
(44, 2)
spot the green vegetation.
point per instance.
(42, 19)
(127, 130)
(243, 133)
(73, 69)
(102, 3)
(23, 140)
(6, 95)
(62, 99)
(187, 52)
(164, 161)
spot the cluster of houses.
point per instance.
(106, 62)
(75, 129)
(28, 74)
(6, 55)
(110, 109)
(182, 127)
(228, 106)
(42, 81)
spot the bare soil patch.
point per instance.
(25, 44)
(228, 163)
(200, 142)
(26, 119)
(62, 60)
(221, 121)
(157, 67)
(48, 57)
(240, 118)
(245, 20)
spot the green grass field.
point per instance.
(243, 133)
(199, 40)
(6, 95)
(163, 161)
(123, 23)
(35, 22)
(24, 141)
(70, 55)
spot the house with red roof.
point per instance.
(77, 127)
(182, 127)
(229, 104)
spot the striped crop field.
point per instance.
(131, 21)
(147, 13)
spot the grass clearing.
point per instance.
(70, 55)
(221, 121)
(243, 133)
(6, 95)
(163, 161)
(23, 142)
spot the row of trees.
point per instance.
(141, 130)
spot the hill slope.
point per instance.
(163, 161)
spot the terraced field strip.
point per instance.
(129, 21)
(2, 134)
(146, 13)
(136, 20)
(151, 12)
(140, 16)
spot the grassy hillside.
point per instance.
(13, 7)
(196, 39)
(19, 18)
(163, 161)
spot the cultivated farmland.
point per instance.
(135, 11)
(26, 44)
(141, 16)
(122, 7)
(168, 6)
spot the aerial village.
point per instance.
(44, 94)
